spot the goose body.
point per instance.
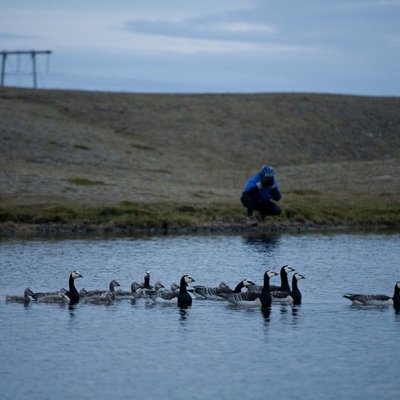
(260, 299)
(165, 296)
(26, 298)
(107, 298)
(145, 293)
(72, 293)
(111, 288)
(211, 293)
(125, 294)
(214, 293)
(289, 297)
(58, 298)
(37, 295)
(376, 299)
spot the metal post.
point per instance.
(3, 67)
(33, 55)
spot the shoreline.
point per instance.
(18, 229)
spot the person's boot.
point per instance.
(251, 221)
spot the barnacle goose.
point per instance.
(26, 298)
(262, 298)
(60, 297)
(289, 297)
(72, 293)
(125, 294)
(174, 296)
(213, 293)
(111, 288)
(376, 299)
(106, 298)
(37, 295)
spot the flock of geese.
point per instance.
(246, 292)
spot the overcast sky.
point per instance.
(224, 46)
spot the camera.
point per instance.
(267, 180)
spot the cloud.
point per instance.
(202, 28)
(14, 36)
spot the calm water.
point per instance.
(323, 349)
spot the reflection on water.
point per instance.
(325, 345)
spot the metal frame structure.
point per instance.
(32, 53)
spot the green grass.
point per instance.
(129, 215)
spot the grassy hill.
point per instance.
(117, 160)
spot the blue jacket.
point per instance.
(265, 193)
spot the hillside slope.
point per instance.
(106, 149)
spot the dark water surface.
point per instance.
(324, 349)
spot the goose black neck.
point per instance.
(239, 287)
(265, 295)
(266, 284)
(296, 294)
(147, 281)
(73, 294)
(396, 296)
(284, 281)
(184, 298)
(183, 286)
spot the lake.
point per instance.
(324, 348)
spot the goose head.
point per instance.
(76, 274)
(270, 274)
(298, 276)
(247, 283)
(158, 285)
(186, 279)
(135, 286)
(113, 285)
(288, 268)
(174, 287)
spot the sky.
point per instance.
(208, 46)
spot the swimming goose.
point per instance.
(285, 270)
(37, 295)
(262, 298)
(164, 296)
(20, 299)
(376, 299)
(72, 293)
(111, 288)
(289, 297)
(107, 298)
(214, 293)
(184, 298)
(60, 298)
(125, 294)
(177, 295)
(210, 293)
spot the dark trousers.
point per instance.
(264, 207)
